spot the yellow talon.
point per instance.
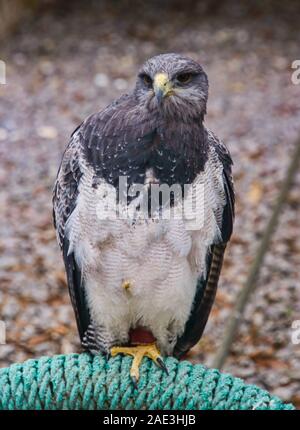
(149, 350)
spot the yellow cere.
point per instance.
(161, 82)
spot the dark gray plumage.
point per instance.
(155, 132)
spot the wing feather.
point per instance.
(95, 143)
(207, 286)
(64, 202)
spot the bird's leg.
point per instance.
(149, 350)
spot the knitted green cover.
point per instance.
(83, 381)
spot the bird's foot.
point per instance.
(149, 350)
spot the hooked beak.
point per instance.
(162, 86)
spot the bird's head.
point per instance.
(174, 85)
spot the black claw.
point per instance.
(135, 382)
(162, 365)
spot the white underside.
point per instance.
(161, 260)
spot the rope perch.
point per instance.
(83, 381)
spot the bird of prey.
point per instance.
(141, 284)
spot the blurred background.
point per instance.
(66, 60)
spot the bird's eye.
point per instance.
(147, 80)
(184, 78)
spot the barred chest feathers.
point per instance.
(143, 272)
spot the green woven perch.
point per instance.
(81, 381)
